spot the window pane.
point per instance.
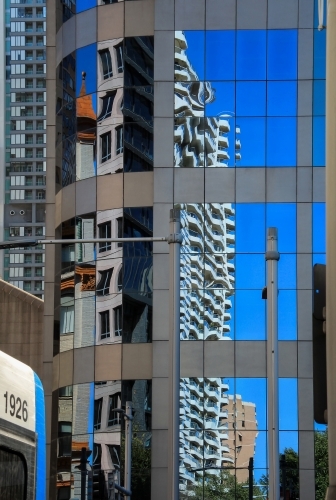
(282, 54)
(251, 55)
(105, 57)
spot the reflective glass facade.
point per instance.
(224, 121)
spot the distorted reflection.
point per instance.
(66, 121)
(109, 278)
(85, 283)
(138, 103)
(211, 141)
(110, 104)
(67, 288)
(86, 134)
(90, 432)
(86, 112)
(137, 279)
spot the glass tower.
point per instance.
(214, 107)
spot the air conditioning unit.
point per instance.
(12, 212)
(22, 212)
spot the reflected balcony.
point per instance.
(223, 413)
(181, 73)
(194, 223)
(182, 106)
(182, 89)
(190, 157)
(224, 125)
(197, 451)
(195, 402)
(210, 143)
(214, 335)
(179, 133)
(211, 407)
(196, 416)
(211, 125)
(186, 474)
(213, 472)
(211, 453)
(223, 435)
(195, 388)
(211, 391)
(223, 140)
(196, 299)
(222, 153)
(196, 437)
(210, 439)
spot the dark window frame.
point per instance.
(105, 329)
(106, 147)
(105, 231)
(103, 287)
(117, 319)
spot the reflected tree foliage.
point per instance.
(141, 464)
(223, 486)
(321, 465)
(289, 474)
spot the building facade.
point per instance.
(21, 330)
(215, 108)
(24, 167)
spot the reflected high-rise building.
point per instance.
(215, 109)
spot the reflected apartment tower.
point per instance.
(204, 427)
(24, 178)
(207, 275)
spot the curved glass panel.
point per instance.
(91, 432)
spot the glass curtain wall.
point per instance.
(104, 120)
(236, 105)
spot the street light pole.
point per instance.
(174, 241)
(272, 256)
(128, 447)
(331, 243)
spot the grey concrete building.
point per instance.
(215, 107)
(21, 328)
(23, 170)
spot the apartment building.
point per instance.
(25, 156)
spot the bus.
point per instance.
(22, 432)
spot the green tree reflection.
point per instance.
(289, 469)
(222, 486)
(321, 465)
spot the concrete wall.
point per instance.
(21, 326)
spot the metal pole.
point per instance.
(250, 478)
(128, 447)
(100, 240)
(331, 243)
(174, 241)
(83, 473)
(272, 256)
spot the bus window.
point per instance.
(13, 475)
